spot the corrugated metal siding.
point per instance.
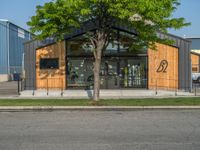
(16, 47)
(30, 63)
(3, 47)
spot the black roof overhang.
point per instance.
(89, 26)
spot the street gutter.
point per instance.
(90, 108)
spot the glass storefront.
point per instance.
(79, 73)
(126, 72)
(119, 69)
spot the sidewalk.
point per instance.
(104, 94)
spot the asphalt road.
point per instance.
(100, 130)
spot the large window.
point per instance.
(49, 63)
(78, 47)
(115, 73)
(79, 72)
(133, 72)
(120, 67)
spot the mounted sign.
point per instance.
(163, 66)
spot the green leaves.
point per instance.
(57, 18)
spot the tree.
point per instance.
(147, 17)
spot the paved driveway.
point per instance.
(100, 130)
(8, 88)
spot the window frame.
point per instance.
(49, 66)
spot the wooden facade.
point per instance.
(51, 78)
(163, 67)
(195, 58)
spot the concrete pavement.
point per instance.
(105, 94)
(8, 88)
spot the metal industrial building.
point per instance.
(195, 54)
(12, 38)
(195, 44)
(119, 67)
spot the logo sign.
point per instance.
(163, 66)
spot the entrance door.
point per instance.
(79, 73)
(133, 73)
(109, 74)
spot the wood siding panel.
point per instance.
(169, 78)
(195, 63)
(51, 78)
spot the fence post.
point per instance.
(34, 87)
(61, 87)
(21, 84)
(175, 88)
(176, 92)
(18, 86)
(156, 88)
(47, 88)
(33, 91)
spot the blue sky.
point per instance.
(20, 11)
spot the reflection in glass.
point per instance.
(79, 73)
(120, 68)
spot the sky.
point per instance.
(20, 11)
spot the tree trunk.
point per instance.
(97, 65)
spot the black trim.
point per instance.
(49, 63)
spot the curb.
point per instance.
(91, 108)
(76, 97)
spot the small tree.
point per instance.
(147, 17)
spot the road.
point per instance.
(100, 130)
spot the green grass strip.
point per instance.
(120, 102)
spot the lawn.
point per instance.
(121, 102)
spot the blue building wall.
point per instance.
(4, 47)
(17, 37)
(12, 39)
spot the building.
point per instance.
(195, 44)
(195, 60)
(195, 54)
(12, 38)
(68, 64)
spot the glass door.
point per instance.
(133, 73)
(79, 73)
(109, 74)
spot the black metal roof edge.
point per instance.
(195, 53)
(87, 26)
(175, 36)
(192, 38)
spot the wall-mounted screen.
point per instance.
(49, 63)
